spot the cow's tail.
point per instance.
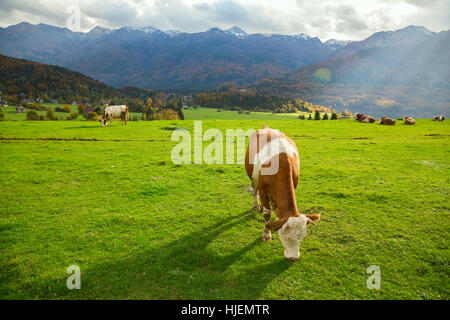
(128, 115)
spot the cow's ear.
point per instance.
(275, 225)
(313, 218)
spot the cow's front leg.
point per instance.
(266, 235)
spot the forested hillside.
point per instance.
(231, 98)
(21, 79)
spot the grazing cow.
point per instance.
(386, 121)
(409, 120)
(438, 118)
(111, 112)
(272, 162)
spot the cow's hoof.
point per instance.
(266, 237)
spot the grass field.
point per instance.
(212, 114)
(141, 227)
(190, 114)
(12, 115)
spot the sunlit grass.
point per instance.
(141, 227)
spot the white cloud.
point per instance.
(341, 19)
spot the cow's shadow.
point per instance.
(187, 268)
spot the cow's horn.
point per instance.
(312, 221)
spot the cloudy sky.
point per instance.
(339, 19)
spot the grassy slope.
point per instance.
(141, 227)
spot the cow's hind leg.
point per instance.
(265, 205)
(255, 197)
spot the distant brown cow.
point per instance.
(386, 121)
(409, 120)
(368, 119)
(359, 116)
(438, 118)
(364, 118)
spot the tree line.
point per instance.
(231, 98)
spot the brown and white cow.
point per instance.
(272, 162)
(368, 119)
(438, 118)
(386, 121)
(409, 120)
(364, 118)
(120, 111)
(359, 116)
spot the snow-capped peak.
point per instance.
(152, 30)
(335, 44)
(302, 36)
(336, 41)
(172, 33)
(100, 30)
(299, 36)
(237, 32)
(148, 29)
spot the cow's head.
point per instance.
(292, 231)
(104, 119)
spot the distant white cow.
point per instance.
(115, 112)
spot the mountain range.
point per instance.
(151, 58)
(390, 72)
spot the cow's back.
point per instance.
(116, 111)
(288, 154)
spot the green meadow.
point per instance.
(190, 114)
(141, 227)
(213, 114)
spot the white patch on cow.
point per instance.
(291, 234)
(270, 150)
(266, 235)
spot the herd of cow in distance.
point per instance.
(391, 122)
